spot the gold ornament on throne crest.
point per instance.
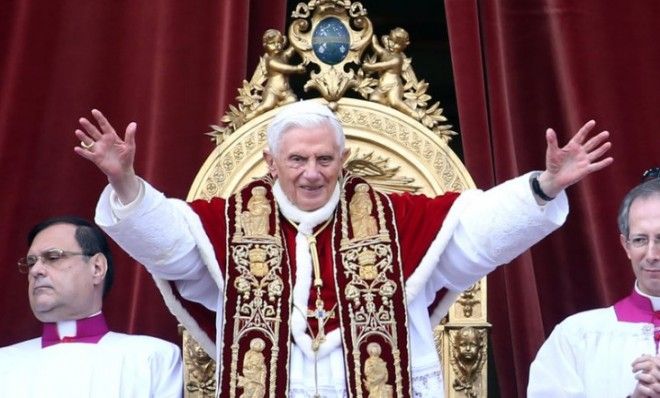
(390, 67)
(271, 76)
(333, 42)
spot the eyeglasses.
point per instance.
(48, 257)
(642, 241)
(650, 174)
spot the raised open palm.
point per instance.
(567, 165)
(113, 156)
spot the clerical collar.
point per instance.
(88, 330)
(655, 301)
(638, 307)
(307, 219)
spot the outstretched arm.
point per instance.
(567, 165)
(113, 156)
(377, 47)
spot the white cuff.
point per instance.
(120, 210)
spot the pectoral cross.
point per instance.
(321, 316)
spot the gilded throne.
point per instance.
(398, 142)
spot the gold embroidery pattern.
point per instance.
(253, 380)
(375, 370)
(257, 258)
(362, 222)
(255, 220)
(368, 264)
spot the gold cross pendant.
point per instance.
(322, 316)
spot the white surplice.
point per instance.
(119, 365)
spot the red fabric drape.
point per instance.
(522, 66)
(171, 66)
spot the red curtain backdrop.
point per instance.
(172, 66)
(521, 66)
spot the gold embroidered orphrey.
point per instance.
(256, 298)
(371, 296)
(398, 139)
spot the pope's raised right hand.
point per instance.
(113, 156)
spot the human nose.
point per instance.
(312, 169)
(39, 267)
(653, 250)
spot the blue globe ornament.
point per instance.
(331, 41)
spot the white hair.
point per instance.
(303, 114)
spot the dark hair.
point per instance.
(649, 174)
(90, 238)
(644, 190)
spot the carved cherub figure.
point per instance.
(274, 69)
(468, 356)
(390, 67)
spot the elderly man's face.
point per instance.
(68, 288)
(644, 220)
(307, 165)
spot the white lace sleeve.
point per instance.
(496, 227)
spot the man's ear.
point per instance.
(100, 267)
(345, 156)
(624, 243)
(270, 162)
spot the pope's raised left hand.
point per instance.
(578, 158)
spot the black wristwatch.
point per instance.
(536, 188)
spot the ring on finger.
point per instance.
(86, 145)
